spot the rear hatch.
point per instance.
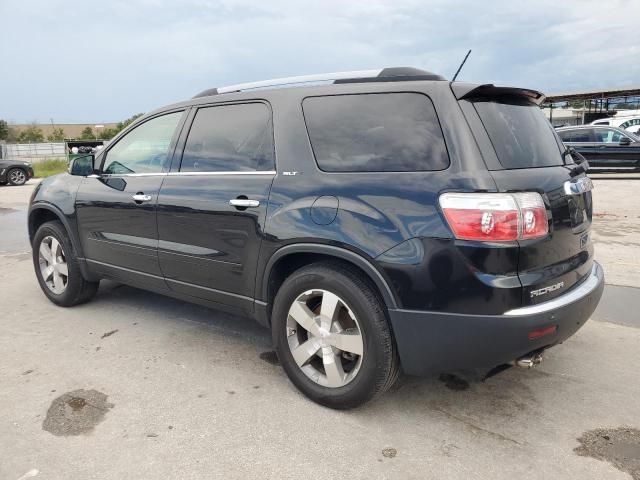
(525, 154)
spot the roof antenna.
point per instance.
(461, 65)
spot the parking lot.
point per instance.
(166, 389)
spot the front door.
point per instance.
(609, 153)
(212, 205)
(117, 209)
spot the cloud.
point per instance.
(81, 61)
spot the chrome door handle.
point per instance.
(141, 197)
(244, 202)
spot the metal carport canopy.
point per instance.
(630, 91)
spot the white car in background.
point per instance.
(626, 122)
(635, 129)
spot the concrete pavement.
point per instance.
(180, 391)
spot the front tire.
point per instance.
(332, 336)
(57, 267)
(17, 176)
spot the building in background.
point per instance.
(71, 130)
(577, 108)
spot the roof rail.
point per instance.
(394, 74)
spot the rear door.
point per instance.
(527, 156)
(117, 209)
(212, 205)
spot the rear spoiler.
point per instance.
(488, 90)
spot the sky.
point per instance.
(77, 61)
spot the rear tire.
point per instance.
(319, 350)
(17, 177)
(57, 267)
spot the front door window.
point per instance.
(608, 135)
(144, 149)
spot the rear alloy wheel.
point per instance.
(58, 268)
(324, 338)
(17, 176)
(332, 336)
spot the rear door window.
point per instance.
(583, 135)
(382, 132)
(520, 133)
(229, 138)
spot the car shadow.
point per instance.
(162, 306)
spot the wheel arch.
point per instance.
(291, 257)
(42, 213)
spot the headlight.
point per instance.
(28, 164)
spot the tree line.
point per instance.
(34, 134)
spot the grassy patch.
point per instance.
(46, 168)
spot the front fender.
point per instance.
(57, 194)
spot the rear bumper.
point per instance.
(434, 342)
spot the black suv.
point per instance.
(375, 221)
(15, 172)
(606, 148)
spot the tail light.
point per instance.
(495, 217)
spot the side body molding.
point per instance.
(333, 251)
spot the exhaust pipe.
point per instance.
(529, 361)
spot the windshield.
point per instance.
(521, 135)
(634, 136)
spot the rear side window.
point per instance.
(388, 132)
(229, 138)
(583, 135)
(520, 133)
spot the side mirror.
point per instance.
(81, 166)
(625, 141)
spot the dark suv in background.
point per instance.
(375, 221)
(606, 148)
(15, 172)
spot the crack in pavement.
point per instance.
(477, 428)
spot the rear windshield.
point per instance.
(520, 133)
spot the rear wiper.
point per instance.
(581, 163)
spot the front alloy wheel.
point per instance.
(17, 177)
(325, 338)
(53, 265)
(58, 268)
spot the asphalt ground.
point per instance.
(136, 385)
